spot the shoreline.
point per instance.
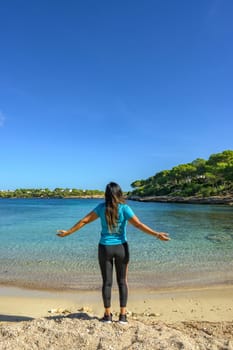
(217, 200)
(165, 280)
(58, 197)
(223, 200)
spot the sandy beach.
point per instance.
(187, 318)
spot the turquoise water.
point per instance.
(200, 252)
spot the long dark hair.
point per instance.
(113, 196)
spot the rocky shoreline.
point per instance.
(226, 200)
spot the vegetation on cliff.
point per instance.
(204, 178)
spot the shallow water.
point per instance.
(200, 252)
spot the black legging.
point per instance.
(120, 254)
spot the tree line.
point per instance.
(47, 193)
(201, 177)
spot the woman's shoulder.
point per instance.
(126, 209)
(124, 206)
(99, 206)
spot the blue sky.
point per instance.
(95, 91)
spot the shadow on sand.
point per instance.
(78, 315)
(14, 318)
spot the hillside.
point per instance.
(201, 179)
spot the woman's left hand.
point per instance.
(62, 233)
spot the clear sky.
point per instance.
(94, 91)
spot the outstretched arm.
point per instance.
(86, 220)
(138, 224)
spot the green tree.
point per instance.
(200, 177)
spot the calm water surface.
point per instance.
(200, 252)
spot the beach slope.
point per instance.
(189, 319)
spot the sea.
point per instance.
(200, 251)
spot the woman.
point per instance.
(113, 246)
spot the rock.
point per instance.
(52, 311)
(85, 309)
(221, 237)
(59, 311)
